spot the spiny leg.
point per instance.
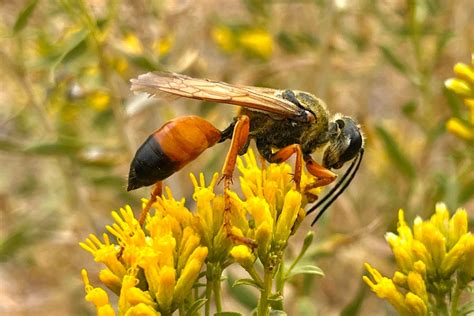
(284, 154)
(324, 176)
(155, 193)
(238, 144)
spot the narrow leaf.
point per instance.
(195, 306)
(306, 243)
(305, 269)
(393, 60)
(7, 145)
(467, 309)
(395, 153)
(24, 15)
(54, 149)
(354, 306)
(247, 282)
(242, 294)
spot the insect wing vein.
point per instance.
(263, 99)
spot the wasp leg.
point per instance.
(324, 176)
(240, 141)
(284, 154)
(155, 193)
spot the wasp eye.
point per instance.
(340, 123)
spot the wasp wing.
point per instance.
(260, 99)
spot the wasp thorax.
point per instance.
(344, 144)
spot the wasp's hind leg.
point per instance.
(238, 146)
(155, 193)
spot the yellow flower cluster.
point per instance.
(253, 41)
(463, 85)
(273, 204)
(151, 273)
(153, 269)
(435, 259)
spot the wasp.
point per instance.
(282, 123)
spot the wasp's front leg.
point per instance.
(324, 176)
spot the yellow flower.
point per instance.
(432, 256)
(386, 289)
(463, 86)
(243, 255)
(163, 46)
(154, 269)
(99, 100)
(460, 129)
(253, 41)
(223, 36)
(257, 42)
(131, 44)
(97, 296)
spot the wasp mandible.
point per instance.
(281, 122)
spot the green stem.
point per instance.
(217, 292)
(280, 278)
(181, 309)
(263, 305)
(254, 275)
(441, 306)
(213, 284)
(208, 289)
(455, 298)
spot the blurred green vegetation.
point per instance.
(69, 124)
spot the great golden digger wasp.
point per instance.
(282, 123)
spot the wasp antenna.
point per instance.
(340, 187)
(334, 189)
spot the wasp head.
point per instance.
(345, 143)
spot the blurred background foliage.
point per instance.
(69, 125)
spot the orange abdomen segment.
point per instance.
(185, 138)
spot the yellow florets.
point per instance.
(153, 269)
(463, 86)
(432, 257)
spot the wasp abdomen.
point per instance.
(170, 148)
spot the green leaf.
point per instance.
(454, 102)
(306, 244)
(54, 149)
(195, 306)
(6, 145)
(304, 269)
(409, 108)
(242, 294)
(354, 306)
(24, 15)
(467, 192)
(395, 153)
(227, 314)
(250, 282)
(75, 47)
(467, 309)
(393, 60)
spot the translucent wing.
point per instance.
(260, 99)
